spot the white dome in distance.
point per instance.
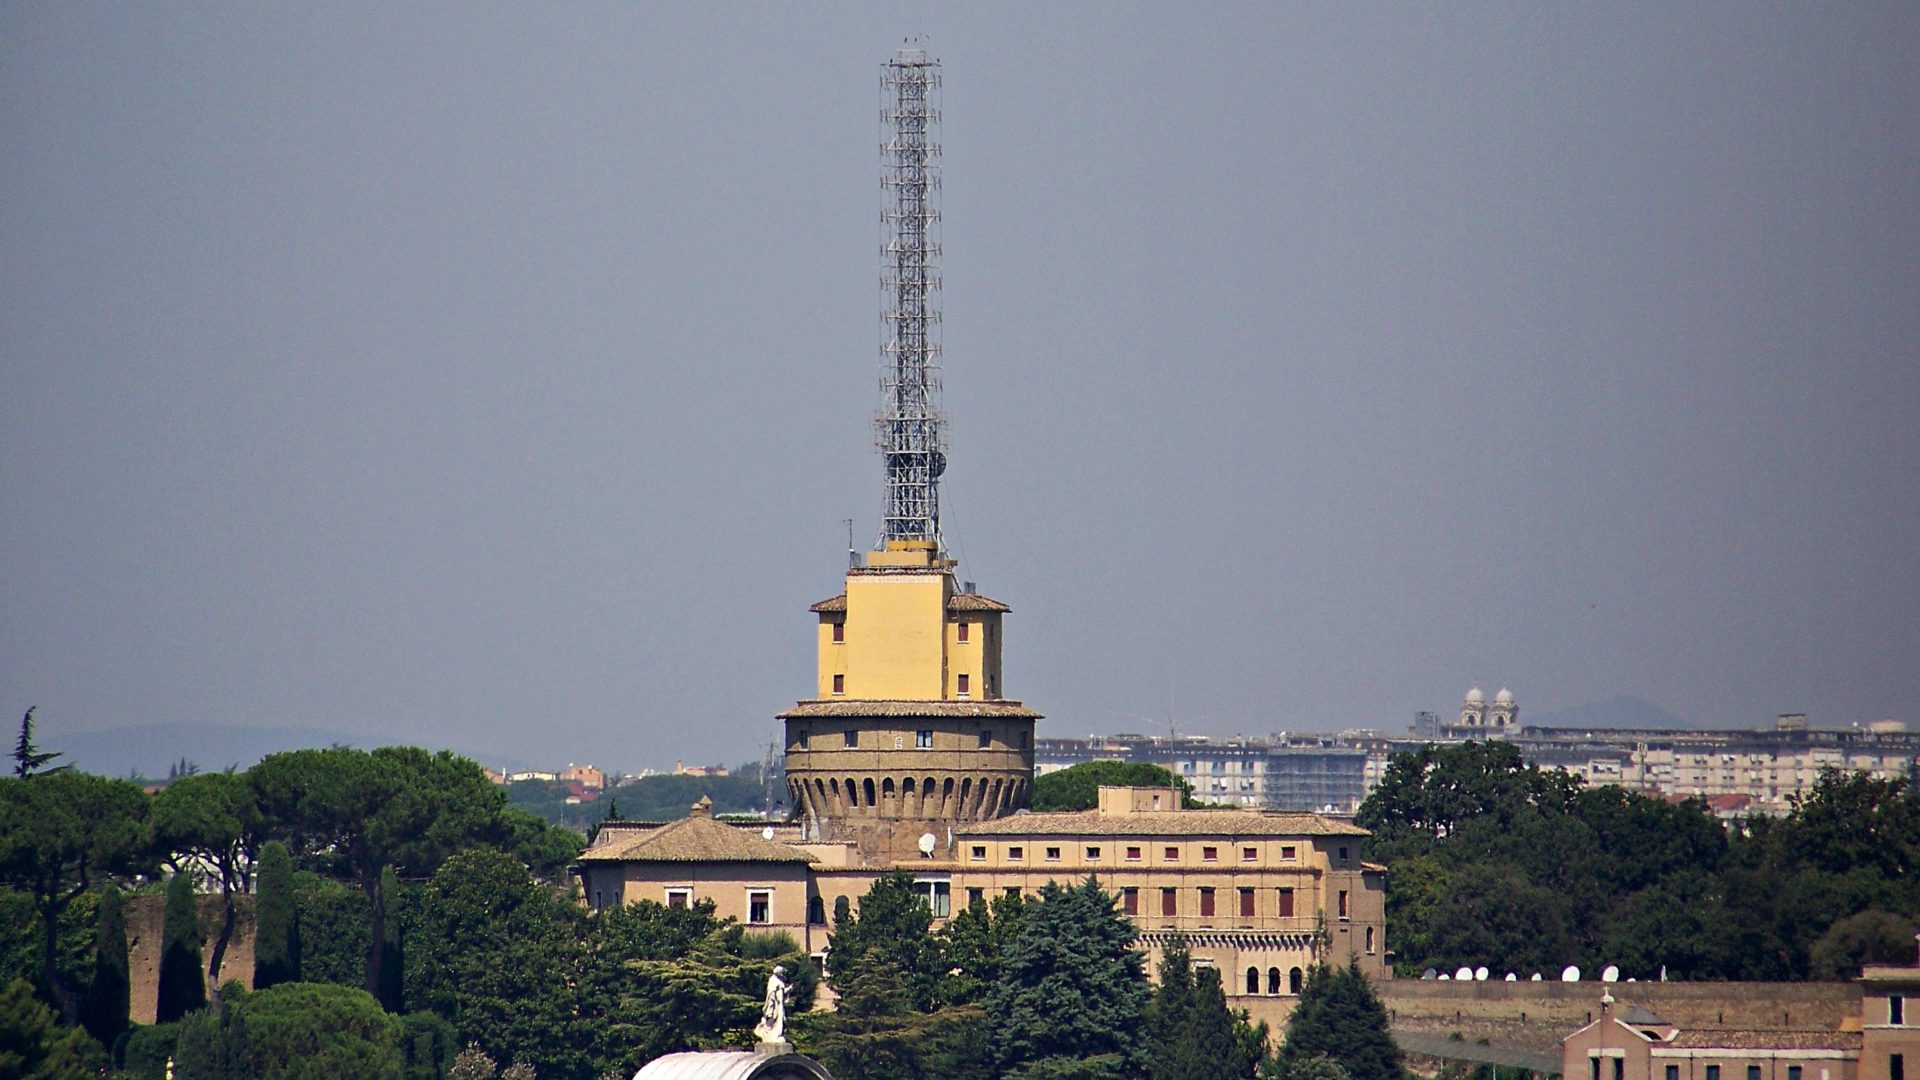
(1475, 697)
(1504, 697)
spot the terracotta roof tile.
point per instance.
(831, 603)
(693, 839)
(974, 602)
(1224, 823)
(1764, 1039)
(997, 709)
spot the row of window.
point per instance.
(922, 739)
(962, 684)
(1209, 853)
(963, 632)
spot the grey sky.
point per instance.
(497, 377)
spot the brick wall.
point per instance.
(145, 917)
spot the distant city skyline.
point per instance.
(501, 379)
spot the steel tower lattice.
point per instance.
(911, 429)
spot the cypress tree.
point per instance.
(391, 961)
(108, 1001)
(1191, 1034)
(276, 956)
(1167, 1015)
(183, 985)
(1339, 1017)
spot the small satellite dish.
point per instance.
(1465, 974)
(1572, 974)
(766, 833)
(1444, 977)
(1511, 977)
(1632, 979)
(1611, 974)
(1480, 973)
(926, 844)
(1429, 974)
(1536, 977)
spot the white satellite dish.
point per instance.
(1511, 977)
(1632, 979)
(1444, 977)
(1611, 974)
(1429, 974)
(1572, 974)
(926, 843)
(766, 833)
(1465, 974)
(1480, 973)
(1536, 977)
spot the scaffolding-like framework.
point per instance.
(910, 427)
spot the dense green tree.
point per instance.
(108, 998)
(1072, 988)
(1077, 787)
(974, 945)
(1871, 937)
(182, 980)
(60, 834)
(331, 923)
(33, 1045)
(428, 1045)
(276, 940)
(317, 1031)
(1493, 915)
(888, 944)
(211, 821)
(1340, 1018)
(1191, 1034)
(547, 850)
(355, 813)
(1680, 924)
(147, 1049)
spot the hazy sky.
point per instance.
(497, 377)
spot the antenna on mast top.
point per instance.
(910, 427)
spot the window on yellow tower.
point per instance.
(839, 684)
(839, 633)
(960, 632)
(961, 684)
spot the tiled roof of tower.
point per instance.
(959, 602)
(1161, 823)
(693, 839)
(998, 709)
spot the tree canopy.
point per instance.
(1077, 787)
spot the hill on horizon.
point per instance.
(149, 750)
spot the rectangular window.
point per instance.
(1344, 913)
(1053, 854)
(1793, 1072)
(1169, 904)
(979, 853)
(1896, 1009)
(986, 738)
(1246, 903)
(1343, 856)
(1130, 901)
(839, 684)
(976, 896)
(923, 740)
(938, 895)
(961, 632)
(1673, 1073)
(960, 684)
(1172, 854)
(1713, 1072)
(1133, 854)
(1753, 1073)
(1249, 854)
(1209, 854)
(680, 898)
(1011, 890)
(1620, 1069)
(1015, 851)
(1024, 736)
(1286, 904)
(759, 906)
(598, 903)
(1287, 851)
(1595, 1062)
(1896, 1067)
(1093, 854)
(1206, 903)
(852, 737)
(839, 633)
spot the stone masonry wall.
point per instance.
(145, 918)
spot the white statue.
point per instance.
(772, 1027)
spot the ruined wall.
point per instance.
(145, 917)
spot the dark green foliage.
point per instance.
(312, 1031)
(547, 850)
(1072, 988)
(23, 943)
(427, 1045)
(1339, 1017)
(29, 759)
(211, 820)
(1078, 787)
(182, 983)
(331, 922)
(62, 832)
(200, 1049)
(147, 1048)
(1871, 937)
(1191, 1034)
(975, 943)
(888, 947)
(108, 996)
(33, 1044)
(392, 958)
(276, 942)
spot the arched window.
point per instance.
(886, 787)
(906, 786)
(816, 911)
(1293, 981)
(866, 788)
(1253, 980)
(1273, 980)
(1369, 941)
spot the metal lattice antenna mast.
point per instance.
(910, 425)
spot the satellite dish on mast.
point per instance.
(926, 844)
(1611, 974)
(1572, 974)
